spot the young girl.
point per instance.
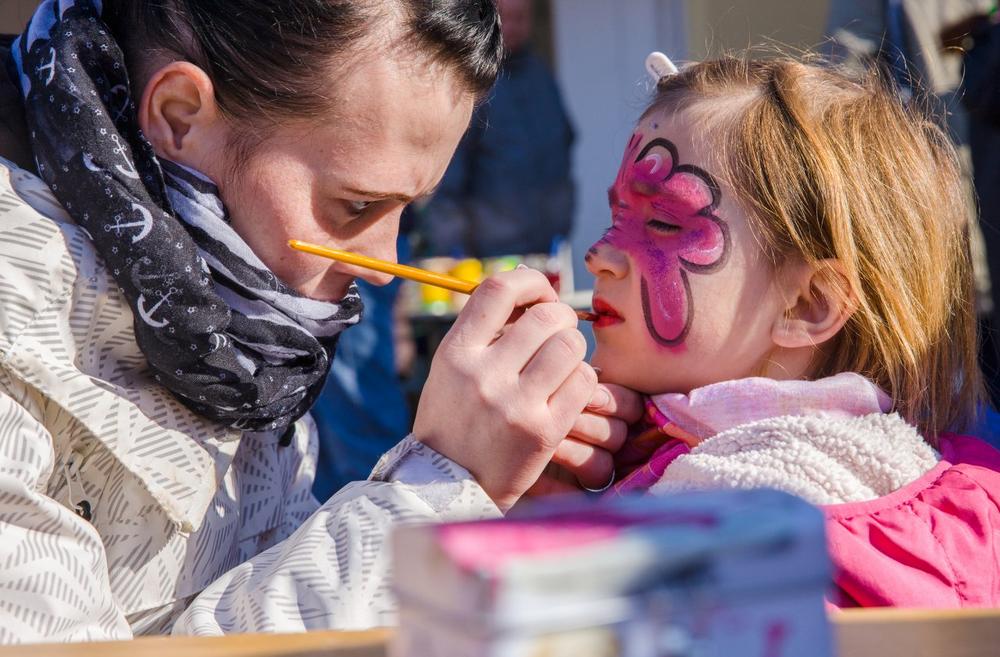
(787, 277)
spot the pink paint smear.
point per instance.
(663, 216)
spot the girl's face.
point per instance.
(343, 180)
(685, 296)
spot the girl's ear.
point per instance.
(820, 301)
(179, 115)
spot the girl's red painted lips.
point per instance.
(606, 314)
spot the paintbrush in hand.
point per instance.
(403, 271)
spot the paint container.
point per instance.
(468, 269)
(435, 300)
(501, 264)
(554, 266)
(728, 573)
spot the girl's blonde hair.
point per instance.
(833, 166)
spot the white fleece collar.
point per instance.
(822, 458)
(711, 409)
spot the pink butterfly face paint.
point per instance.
(663, 217)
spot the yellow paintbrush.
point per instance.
(403, 271)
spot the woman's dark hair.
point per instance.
(265, 57)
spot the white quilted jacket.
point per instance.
(118, 505)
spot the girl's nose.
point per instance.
(603, 259)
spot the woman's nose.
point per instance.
(377, 241)
(377, 278)
(603, 259)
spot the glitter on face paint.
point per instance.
(663, 217)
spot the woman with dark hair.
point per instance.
(160, 345)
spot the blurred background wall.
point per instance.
(717, 25)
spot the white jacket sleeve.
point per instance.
(334, 571)
(54, 579)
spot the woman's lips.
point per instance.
(606, 314)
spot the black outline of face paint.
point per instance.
(686, 266)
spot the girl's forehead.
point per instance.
(694, 134)
(687, 130)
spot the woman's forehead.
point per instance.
(388, 130)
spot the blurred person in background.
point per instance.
(508, 189)
(981, 41)
(921, 43)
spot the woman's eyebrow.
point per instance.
(403, 198)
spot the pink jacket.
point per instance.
(933, 543)
(907, 525)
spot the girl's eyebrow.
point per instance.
(666, 209)
(614, 199)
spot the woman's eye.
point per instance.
(663, 226)
(357, 208)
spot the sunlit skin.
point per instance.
(340, 180)
(685, 295)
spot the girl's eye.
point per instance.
(357, 208)
(663, 226)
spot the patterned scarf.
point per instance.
(217, 328)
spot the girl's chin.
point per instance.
(610, 370)
(615, 372)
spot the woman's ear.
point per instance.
(179, 116)
(820, 301)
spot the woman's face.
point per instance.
(684, 294)
(343, 180)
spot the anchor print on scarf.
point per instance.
(216, 326)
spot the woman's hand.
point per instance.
(502, 395)
(586, 457)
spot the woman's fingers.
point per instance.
(535, 329)
(494, 301)
(553, 363)
(608, 433)
(597, 433)
(555, 480)
(617, 401)
(501, 406)
(591, 465)
(566, 404)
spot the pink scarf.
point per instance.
(675, 423)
